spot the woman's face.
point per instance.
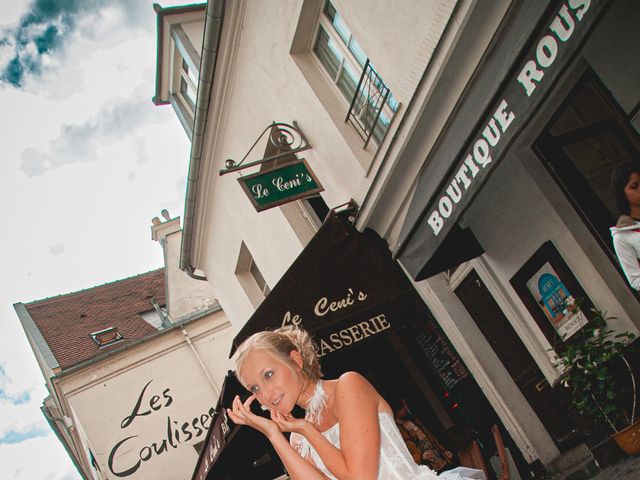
(632, 189)
(271, 381)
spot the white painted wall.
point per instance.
(185, 295)
(398, 35)
(260, 82)
(103, 395)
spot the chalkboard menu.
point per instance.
(444, 360)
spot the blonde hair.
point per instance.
(280, 343)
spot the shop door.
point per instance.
(552, 408)
(588, 136)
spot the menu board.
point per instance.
(444, 360)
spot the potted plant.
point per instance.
(591, 363)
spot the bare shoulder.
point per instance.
(353, 380)
(352, 387)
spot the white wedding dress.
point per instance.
(396, 463)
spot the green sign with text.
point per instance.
(282, 184)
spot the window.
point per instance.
(198, 446)
(184, 77)
(93, 461)
(305, 216)
(157, 317)
(106, 337)
(250, 277)
(259, 279)
(188, 86)
(372, 106)
(315, 210)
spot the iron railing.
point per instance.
(370, 99)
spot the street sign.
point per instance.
(283, 184)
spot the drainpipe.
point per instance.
(208, 57)
(214, 386)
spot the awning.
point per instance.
(233, 452)
(529, 55)
(343, 288)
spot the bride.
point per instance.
(348, 431)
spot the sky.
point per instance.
(86, 161)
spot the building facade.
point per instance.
(132, 368)
(476, 139)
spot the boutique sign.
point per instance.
(530, 82)
(129, 454)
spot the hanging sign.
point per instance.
(283, 184)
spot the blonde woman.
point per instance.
(348, 431)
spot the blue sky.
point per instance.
(87, 161)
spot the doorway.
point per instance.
(552, 404)
(505, 342)
(587, 137)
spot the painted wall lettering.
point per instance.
(155, 403)
(176, 432)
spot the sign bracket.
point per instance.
(285, 138)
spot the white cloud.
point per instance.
(99, 211)
(21, 433)
(78, 143)
(37, 458)
(57, 249)
(10, 394)
(11, 12)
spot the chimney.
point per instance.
(160, 229)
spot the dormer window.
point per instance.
(180, 40)
(188, 86)
(106, 337)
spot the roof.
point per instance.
(67, 321)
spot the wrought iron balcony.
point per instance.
(372, 106)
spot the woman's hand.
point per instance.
(288, 423)
(241, 414)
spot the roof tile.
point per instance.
(67, 321)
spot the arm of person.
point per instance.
(356, 405)
(297, 467)
(628, 259)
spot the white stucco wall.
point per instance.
(262, 83)
(399, 36)
(178, 395)
(185, 295)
